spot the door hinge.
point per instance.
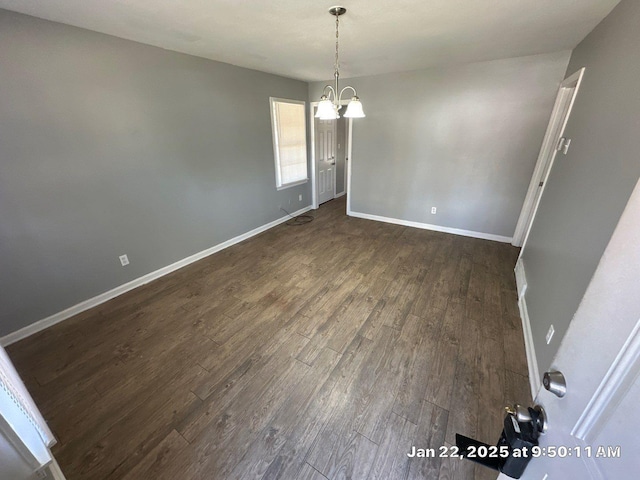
(541, 184)
(563, 145)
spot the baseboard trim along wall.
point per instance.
(428, 226)
(338, 195)
(149, 277)
(532, 360)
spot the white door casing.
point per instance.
(342, 138)
(349, 163)
(600, 359)
(565, 100)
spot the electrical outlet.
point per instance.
(300, 197)
(124, 260)
(550, 333)
(433, 210)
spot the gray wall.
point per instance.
(461, 138)
(589, 188)
(109, 147)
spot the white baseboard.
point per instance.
(428, 226)
(338, 195)
(521, 279)
(106, 296)
(532, 360)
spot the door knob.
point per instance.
(555, 383)
(535, 416)
(519, 412)
(522, 429)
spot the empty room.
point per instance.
(316, 241)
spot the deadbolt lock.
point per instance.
(555, 383)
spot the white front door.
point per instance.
(594, 430)
(325, 145)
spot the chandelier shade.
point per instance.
(326, 109)
(354, 109)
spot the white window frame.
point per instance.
(276, 150)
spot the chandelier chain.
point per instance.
(337, 62)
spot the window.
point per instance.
(289, 141)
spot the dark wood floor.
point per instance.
(310, 352)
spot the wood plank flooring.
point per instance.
(322, 351)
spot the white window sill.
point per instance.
(288, 185)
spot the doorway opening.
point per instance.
(330, 153)
(553, 143)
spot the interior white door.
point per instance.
(550, 148)
(593, 429)
(325, 145)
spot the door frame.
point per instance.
(565, 100)
(347, 161)
(346, 158)
(314, 167)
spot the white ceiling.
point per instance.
(295, 38)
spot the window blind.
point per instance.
(290, 141)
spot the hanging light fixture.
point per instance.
(328, 107)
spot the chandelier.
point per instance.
(330, 101)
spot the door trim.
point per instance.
(614, 386)
(312, 127)
(348, 161)
(555, 129)
(529, 347)
(346, 156)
